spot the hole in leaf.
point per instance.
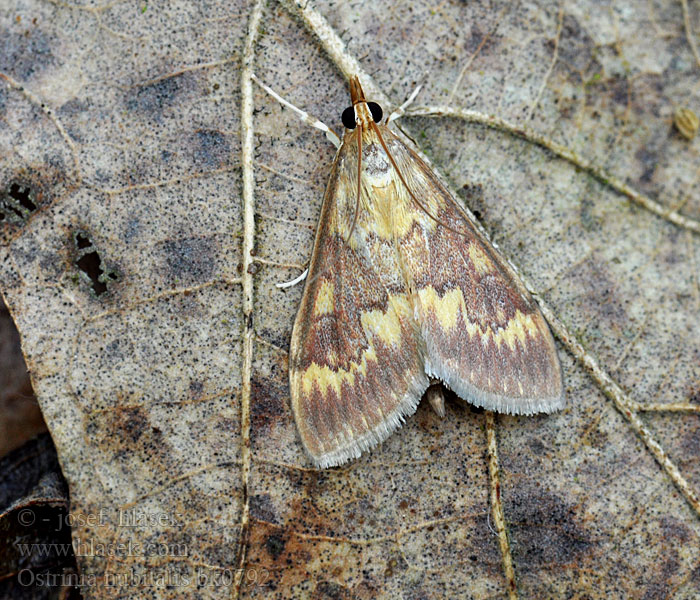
(82, 241)
(9, 207)
(16, 202)
(90, 263)
(22, 194)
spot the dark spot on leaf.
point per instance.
(576, 47)
(691, 443)
(598, 295)
(153, 98)
(190, 261)
(114, 349)
(268, 404)
(536, 445)
(675, 531)
(127, 432)
(543, 528)
(275, 545)
(694, 394)
(262, 509)
(618, 88)
(331, 591)
(131, 423)
(649, 159)
(476, 39)
(24, 53)
(211, 149)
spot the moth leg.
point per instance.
(293, 282)
(436, 397)
(304, 116)
(402, 109)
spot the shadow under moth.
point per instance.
(404, 291)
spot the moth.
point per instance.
(402, 291)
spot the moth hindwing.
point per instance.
(403, 288)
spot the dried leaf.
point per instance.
(166, 392)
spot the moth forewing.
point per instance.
(402, 287)
(356, 368)
(485, 336)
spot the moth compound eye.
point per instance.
(376, 111)
(348, 118)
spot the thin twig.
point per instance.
(247, 160)
(677, 407)
(497, 506)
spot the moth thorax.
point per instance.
(376, 166)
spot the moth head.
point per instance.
(351, 115)
(361, 111)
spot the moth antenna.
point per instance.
(399, 112)
(293, 282)
(303, 115)
(408, 189)
(359, 182)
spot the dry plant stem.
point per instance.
(622, 402)
(472, 116)
(496, 505)
(680, 407)
(247, 149)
